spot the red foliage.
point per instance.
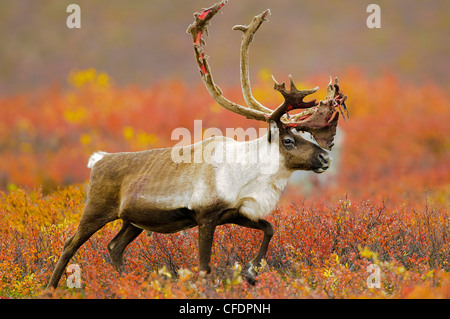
(387, 204)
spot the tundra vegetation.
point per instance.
(387, 204)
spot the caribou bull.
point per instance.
(151, 191)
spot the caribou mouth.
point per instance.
(320, 169)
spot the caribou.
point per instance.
(149, 190)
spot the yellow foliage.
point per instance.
(146, 139)
(76, 115)
(140, 139)
(366, 252)
(81, 78)
(128, 132)
(85, 139)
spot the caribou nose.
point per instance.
(325, 159)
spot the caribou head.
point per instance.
(318, 118)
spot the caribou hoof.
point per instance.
(249, 279)
(250, 276)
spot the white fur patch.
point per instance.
(260, 198)
(245, 185)
(95, 158)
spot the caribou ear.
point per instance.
(274, 132)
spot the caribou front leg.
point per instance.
(117, 245)
(205, 239)
(267, 229)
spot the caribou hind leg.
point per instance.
(92, 220)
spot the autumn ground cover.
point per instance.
(386, 205)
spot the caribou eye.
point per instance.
(289, 142)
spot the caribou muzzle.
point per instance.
(324, 160)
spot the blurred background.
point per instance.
(142, 42)
(128, 77)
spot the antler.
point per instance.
(247, 37)
(197, 29)
(293, 99)
(320, 119)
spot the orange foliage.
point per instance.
(320, 251)
(387, 204)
